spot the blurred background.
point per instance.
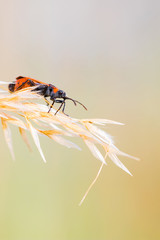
(105, 54)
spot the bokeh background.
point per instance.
(107, 55)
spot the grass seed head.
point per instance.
(23, 110)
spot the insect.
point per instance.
(47, 90)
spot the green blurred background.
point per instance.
(107, 55)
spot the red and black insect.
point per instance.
(47, 90)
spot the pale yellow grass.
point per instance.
(23, 110)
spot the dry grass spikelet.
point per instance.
(22, 110)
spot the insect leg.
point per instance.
(59, 107)
(51, 106)
(59, 101)
(64, 105)
(46, 101)
(56, 101)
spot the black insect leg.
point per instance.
(62, 102)
(51, 106)
(55, 101)
(64, 105)
(59, 101)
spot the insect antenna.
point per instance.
(75, 102)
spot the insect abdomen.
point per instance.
(11, 87)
